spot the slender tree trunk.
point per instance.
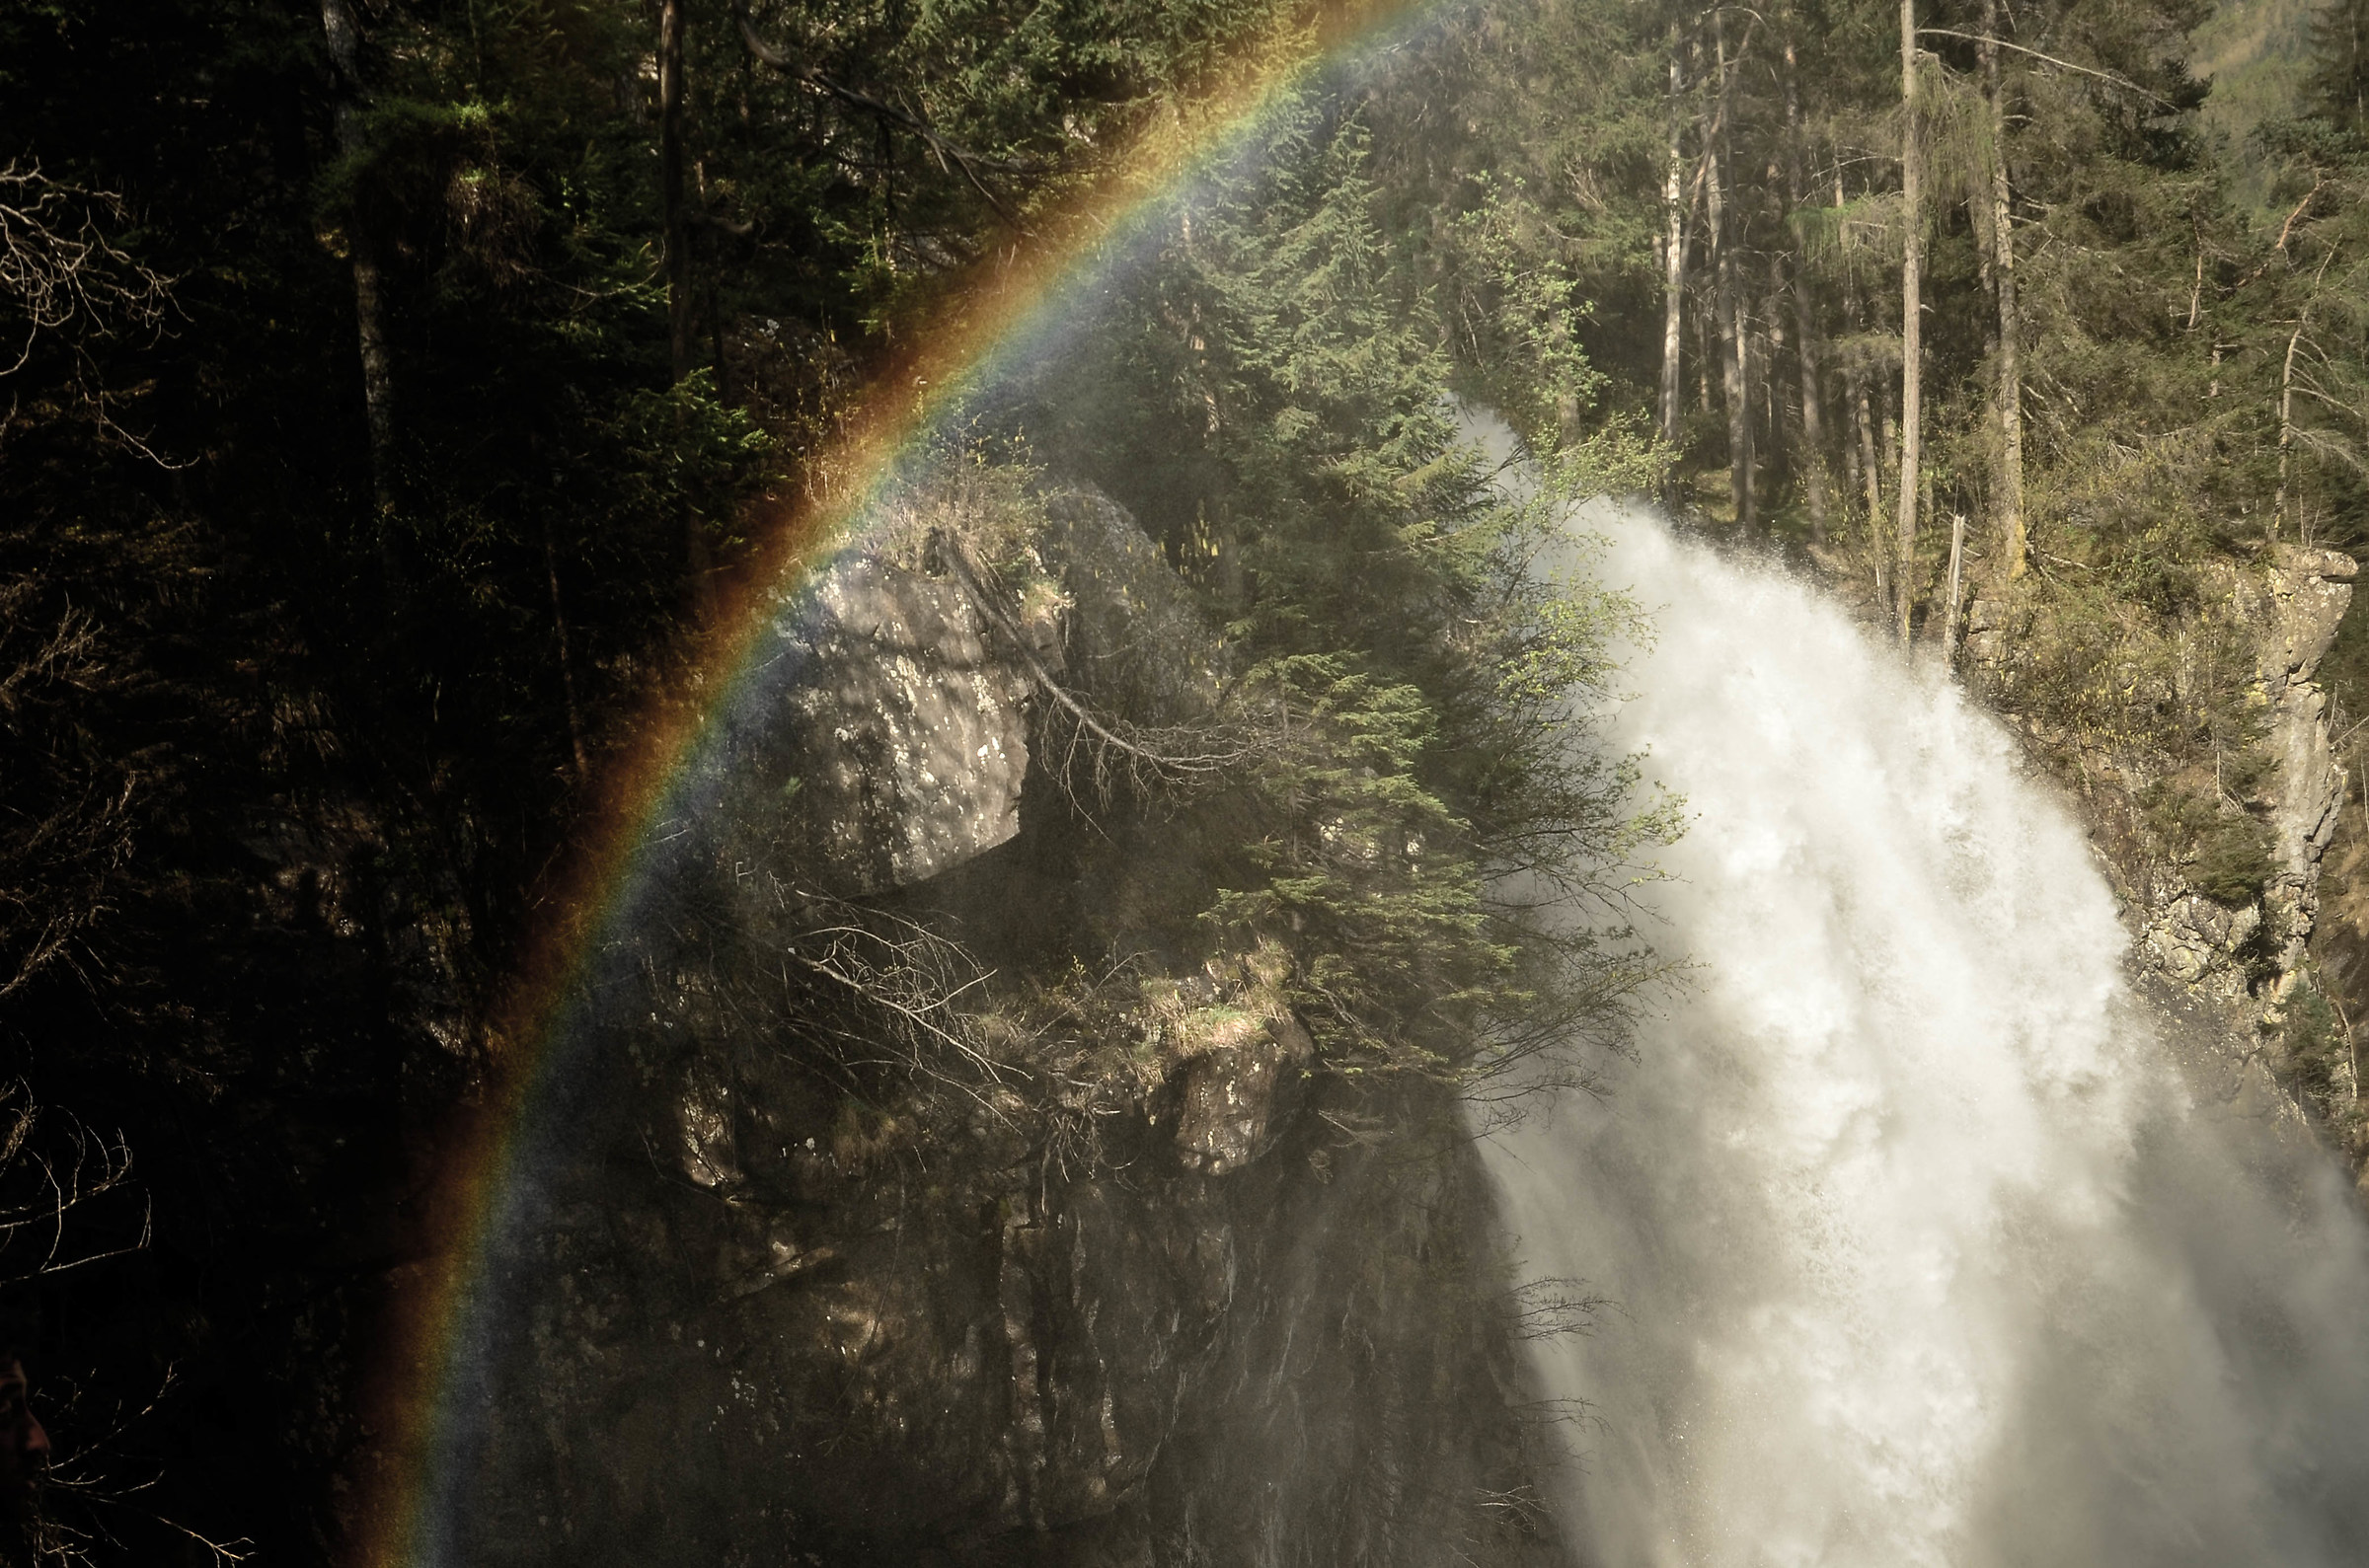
(675, 218)
(559, 625)
(378, 377)
(676, 221)
(2286, 426)
(1870, 458)
(1855, 386)
(1773, 445)
(1704, 357)
(1888, 428)
(1957, 582)
(1673, 255)
(1805, 320)
(1735, 374)
(1912, 313)
(2010, 394)
(2286, 396)
(1850, 445)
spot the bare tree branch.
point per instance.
(2123, 82)
(61, 273)
(1155, 754)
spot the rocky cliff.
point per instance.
(849, 1255)
(2204, 764)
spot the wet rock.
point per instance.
(808, 1309)
(1229, 1112)
(706, 1148)
(1137, 641)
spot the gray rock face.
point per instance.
(1228, 1118)
(911, 730)
(2292, 611)
(1137, 641)
(2300, 606)
(2192, 935)
(2241, 965)
(1237, 1052)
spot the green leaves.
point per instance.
(1421, 652)
(689, 452)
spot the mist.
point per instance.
(1921, 1243)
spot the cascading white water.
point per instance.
(1920, 1252)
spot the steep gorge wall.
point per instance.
(2229, 920)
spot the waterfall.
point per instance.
(1917, 1248)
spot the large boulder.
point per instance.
(906, 729)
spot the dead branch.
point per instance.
(85, 1482)
(57, 265)
(69, 281)
(1547, 1308)
(891, 995)
(2123, 82)
(1159, 755)
(64, 828)
(40, 1188)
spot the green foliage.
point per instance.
(2234, 862)
(2319, 1054)
(687, 453)
(1268, 398)
(2337, 86)
(1368, 870)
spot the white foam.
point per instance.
(1921, 1256)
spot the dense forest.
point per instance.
(396, 389)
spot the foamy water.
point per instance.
(1920, 1254)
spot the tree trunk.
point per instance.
(378, 378)
(1733, 372)
(1805, 320)
(1850, 445)
(559, 625)
(1958, 581)
(2286, 394)
(1888, 427)
(1870, 466)
(1673, 255)
(676, 223)
(1912, 310)
(1704, 357)
(677, 239)
(2286, 425)
(1855, 386)
(1772, 446)
(2010, 391)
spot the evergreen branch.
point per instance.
(961, 157)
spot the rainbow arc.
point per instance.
(1013, 311)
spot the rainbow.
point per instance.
(1010, 313)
